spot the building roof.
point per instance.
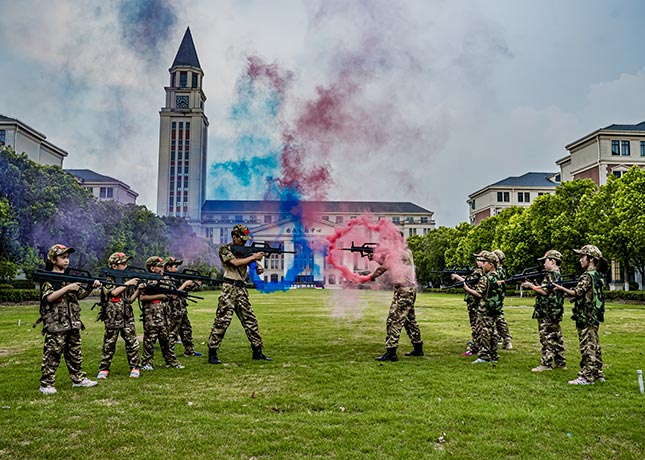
(638, 127)
(375, 207)
(24, 125)
(87, 175)
(187, 55)
(530, 179)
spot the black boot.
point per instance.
(390, 355)
(212, 356)
(418, 350)
(257, 354)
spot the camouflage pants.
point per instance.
(591, 356)
(150, 336)
(234, 299)
(62, 344)
(401, 316)
(487, 343)
(109, 346)
(180, 328)
(552, 343)
(502, 332)
(472, 318)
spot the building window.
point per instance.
(615, 148)
(183, 79)
(171, 201)
(326, 218)
(409, 219)
(396, 220)
(102, 192)
(110, 192)
(523, 197)
(472, 204)
(643, 148)
(186, 154)
(624, 148)
(194, 80)
(617, 174)
(267, 219)
(3, 136)
(239, 219)
(339, 219)
(424, 220)
(253, 219)
(503, 197)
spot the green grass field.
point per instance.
(324, 396)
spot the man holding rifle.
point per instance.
(235, 297)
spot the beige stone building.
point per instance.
(104, 188)
(22, 138)
(604, 152)
(512, 191)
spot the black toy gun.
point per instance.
(168, 289)
(531, 273)
(461, 271)
(255, 247)
(129, 273)
(365, 249)
(188, 274)
(70, 275)
(569, 282)
(460, 284)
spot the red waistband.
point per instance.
(156, 301)
(115, 299)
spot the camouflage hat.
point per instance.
(118, 258)
(486, 256)
(173, 261)
(551, 254)
(500, 255)
(242, 231)
(589, 250)
(154, 261)
(58, 250)
(480, 254)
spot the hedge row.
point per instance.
(19, 295)
(614, 296)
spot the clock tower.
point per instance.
(183, 139)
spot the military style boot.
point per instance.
(418, 350)
(257, 354)
(212, 356)
(390, 355)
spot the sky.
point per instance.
(424, 101)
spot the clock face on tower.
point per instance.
(181, 102)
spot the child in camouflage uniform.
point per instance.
(118, 318)
(588, 313)
(549, 307)
(155, 326)
(235, 298)
(180, 326)
(471, 305)
(502, 332)
(401, 314)
(61, 316)
(488, 294)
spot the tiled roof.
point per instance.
(187, 55)
(374, 207)
(639, 127)
(3, 118)
(88, 175)
(530, 179)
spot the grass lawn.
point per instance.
(323, 395)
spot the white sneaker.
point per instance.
(541, 368)
(580, 381)
(85, 383)
(148, 367)
(176, 366)
(102, 375)
(47, 390)
(480, 361)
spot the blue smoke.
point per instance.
(146, 25)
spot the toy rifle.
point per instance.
(70, 275)
(468, 281)
(568, 282)
(188, 274)
(364, 250)
(462, 271)
(161, 287)
(129, 273)
(530, 273)
(255, 247)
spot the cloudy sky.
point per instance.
(422, 101)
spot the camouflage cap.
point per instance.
(173, 261)
(480, 254)
(500, 255)
(487, 256)
(154, 261)
(589, 250)
(58, 250)
(242, 231)
(118, 258)
(551, 254)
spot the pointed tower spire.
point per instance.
(187, 55)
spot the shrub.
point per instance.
(19, 295)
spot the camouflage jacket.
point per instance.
(154, 313)
(61, 315)
(550, 306)
(475, 275)
(177, 305)
(491, 291)
(230, 270)
(116, 312)
(589, 309)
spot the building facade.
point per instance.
(183, 138)
(24, 139)
(512, 191)
(104, 188)
(609, 151)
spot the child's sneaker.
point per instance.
(541, 368)
(134, 373)
(600, 379)
(479, 361)
(580, 381)
(85, 383)
(176, 366)
(47, 390)
(467, 353)
(148, 367)
(194, 353)
(102, 375)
